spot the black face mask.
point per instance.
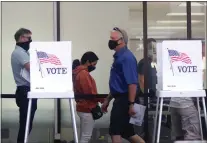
(91, 68)
(25, 45)
(113, 44)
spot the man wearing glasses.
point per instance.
(20, 60)
(123, 86)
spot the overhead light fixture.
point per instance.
(192, 4)
(184, 14)
(168, 27)
(154, 33)
(155, 37)
(176, 21)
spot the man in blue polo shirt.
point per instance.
(123, 86)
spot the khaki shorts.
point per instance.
(185, 123)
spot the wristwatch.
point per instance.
(131, 103)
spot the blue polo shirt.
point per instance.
(123, 71)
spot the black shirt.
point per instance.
(152, 73)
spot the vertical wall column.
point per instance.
(145, 26)
(189, 26)
(56, 33)
(205, 87)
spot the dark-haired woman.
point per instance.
(85, 84)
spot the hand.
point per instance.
(105, 106)
(131, 110)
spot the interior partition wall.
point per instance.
(38, 17)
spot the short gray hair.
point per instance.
(21, 32)
(123, 33)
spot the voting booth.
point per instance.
(179, 74)
(50, 75)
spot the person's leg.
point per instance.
(130, 135)
(119, 125)
(190, 123)
(22, 119)
(116, 138)
(22, 103)
(136, 139)
(116, 121)
(33, 110)
(176, 129)
(86, 125)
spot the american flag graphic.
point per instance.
(48, 58)
(177, 56)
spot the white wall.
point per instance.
(88, 26)
(38, 17)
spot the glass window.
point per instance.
(166, 21)
(198, 15)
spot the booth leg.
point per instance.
(159, 121)
(74, 121)
(155, 121)
(204, 109)
(199, 114)
(28, 121)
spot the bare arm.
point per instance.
(109, 97)
(132, 92)
(27, 66)
(141, 82)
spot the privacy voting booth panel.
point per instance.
(50, 76)
(179, 74)
(51, 70)
(179, 65)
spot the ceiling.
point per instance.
(162, 24)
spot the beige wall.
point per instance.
(38, 17)
(88, 25)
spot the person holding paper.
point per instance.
(85, 84)
(123, 87)
(20, 61)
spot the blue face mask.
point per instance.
(91, 68)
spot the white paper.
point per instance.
(137, 119)
(25, 74)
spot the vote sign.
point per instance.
(180, 65)
(51, 67)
